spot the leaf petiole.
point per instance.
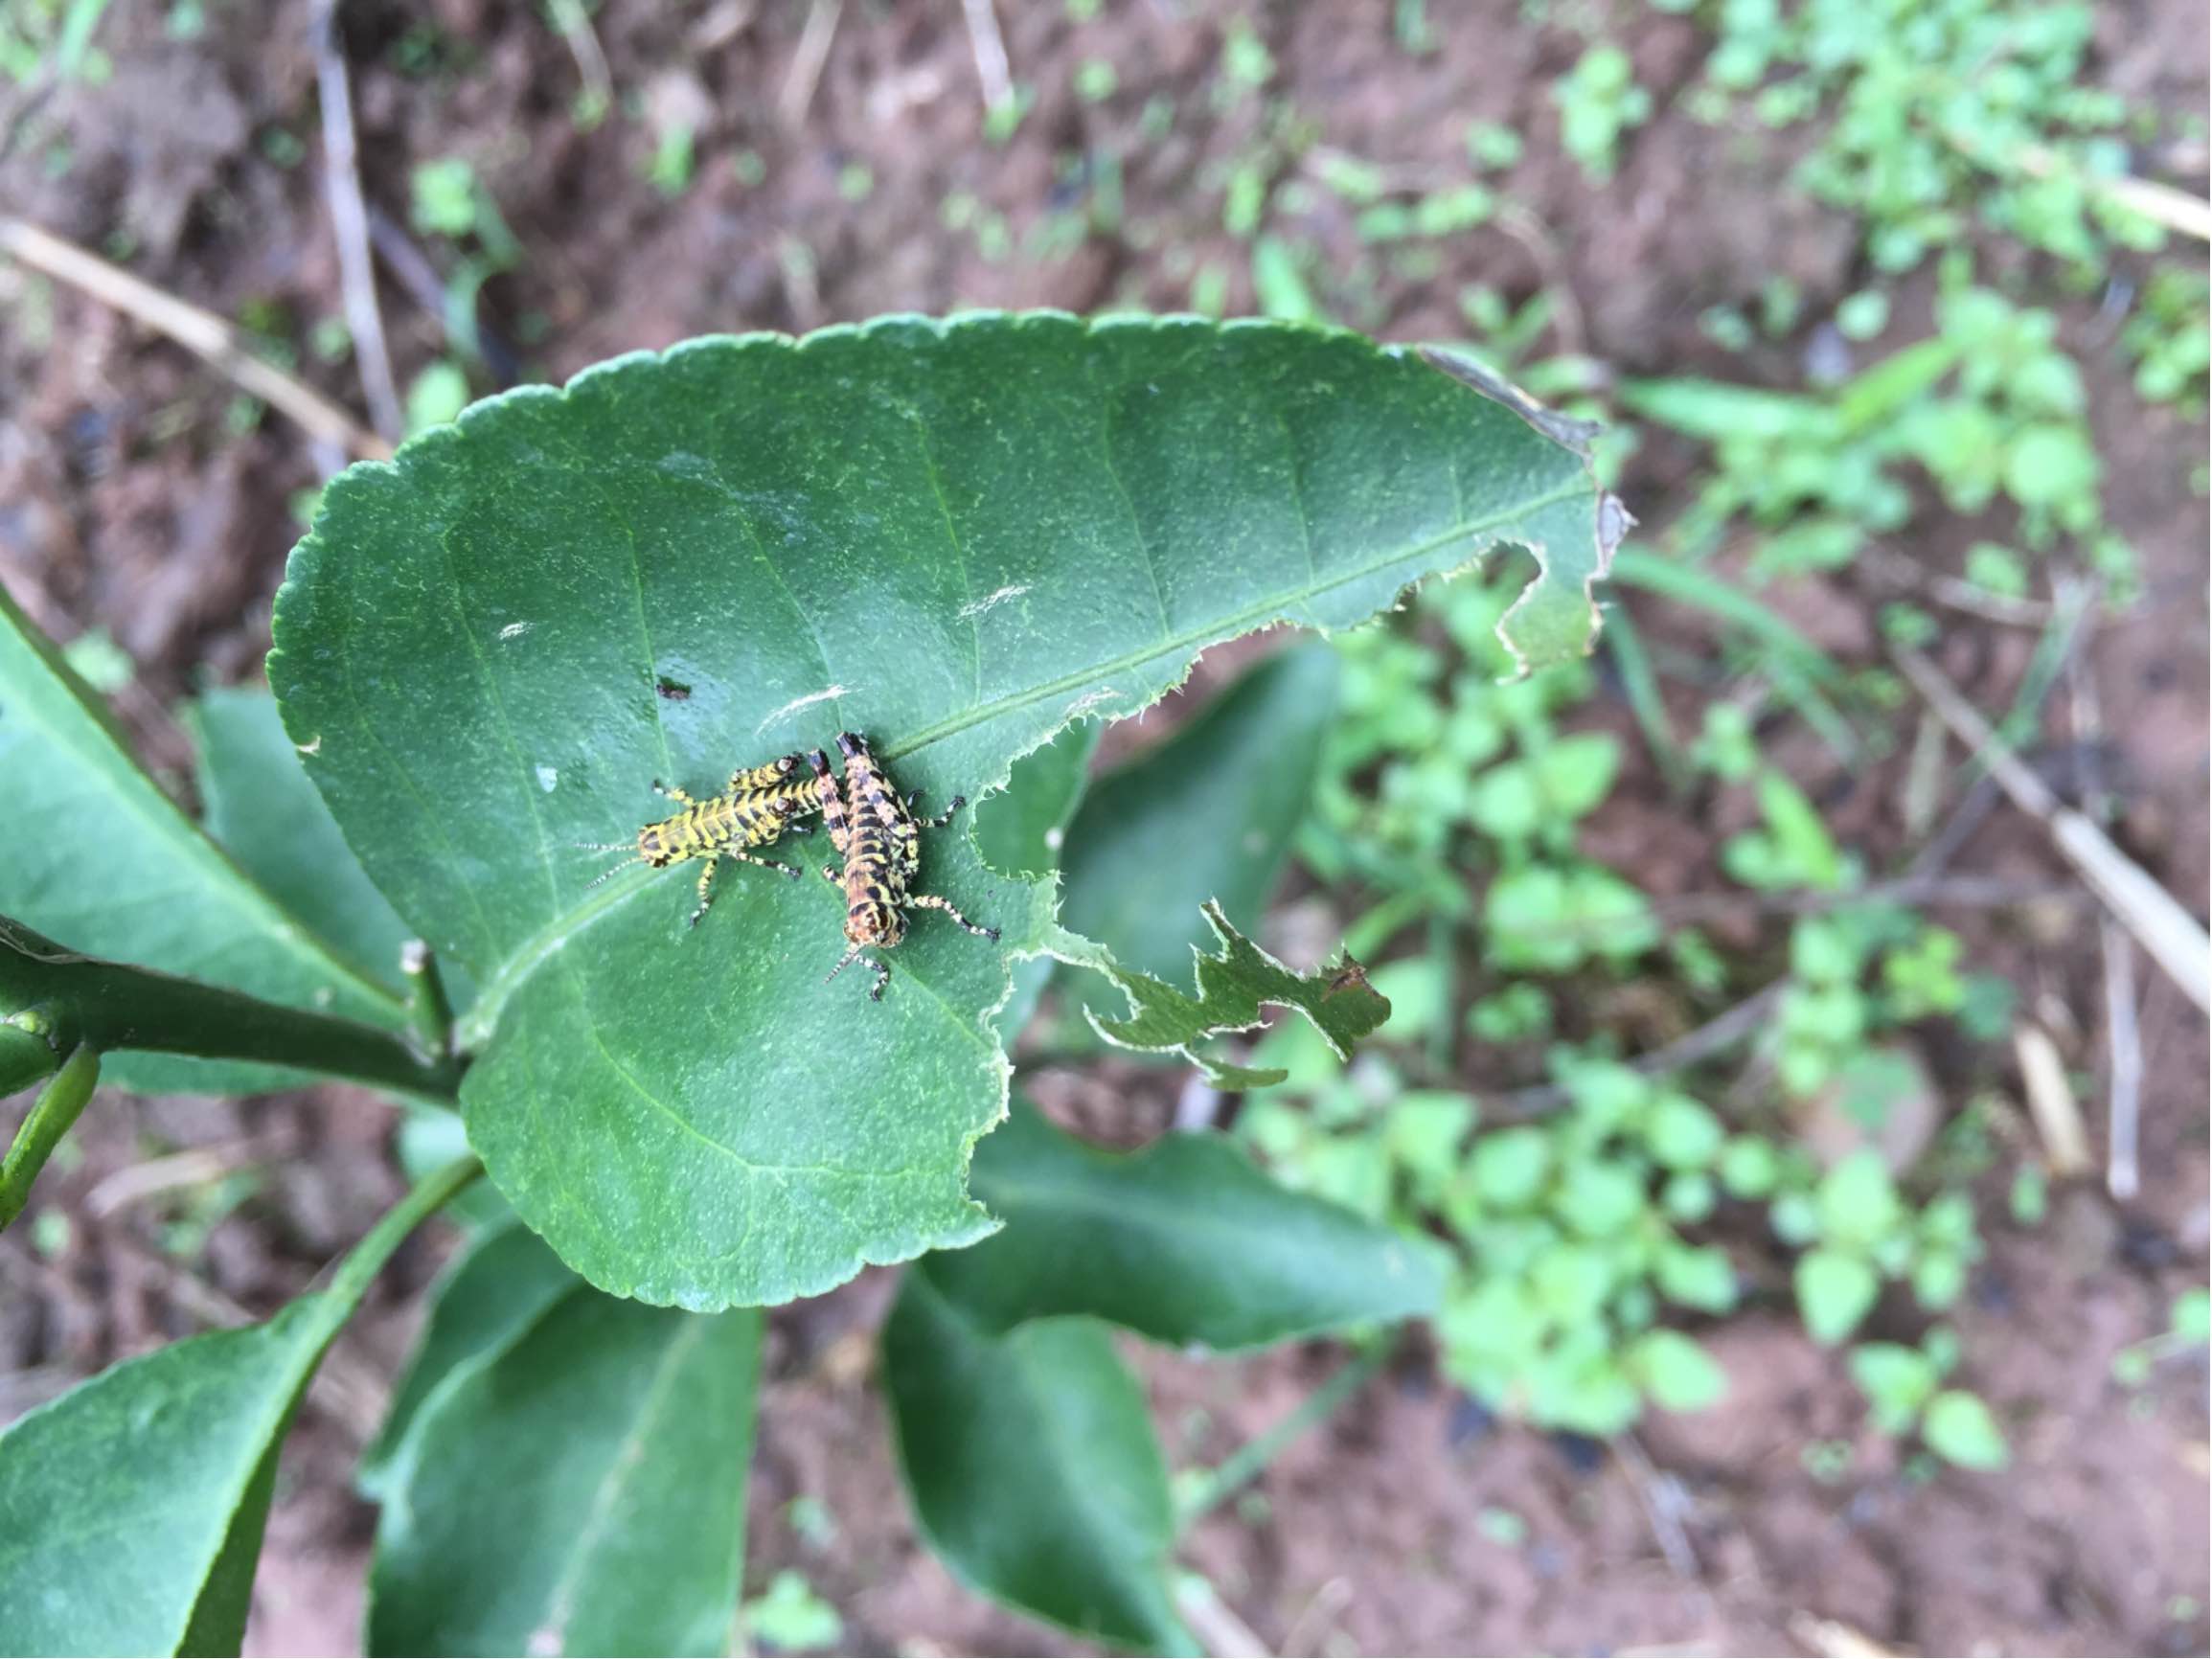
(112, 1006)
(50, 1117)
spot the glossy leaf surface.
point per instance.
(484, 1303)
(1032, 1464)
(131, 1508)
(583, 1491)
(952, 538)
(98, 858)
(1185, 1243)
(261, 808)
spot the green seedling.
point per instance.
(1599, 102)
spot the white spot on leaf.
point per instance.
(547, 778)
(797, 703)
(313, 746)
(968, 612)
(514, 631)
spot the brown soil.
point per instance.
(127, 502)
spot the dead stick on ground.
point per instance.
(573, 22)
(2175, 940)
(350, 225)
(1661, 1496)
(197, 330)
(2124, 1037)
(2123, 1029)
(989, 47)
(1716, 1036)
(2160, 203)
(813, 52)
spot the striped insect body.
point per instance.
(875, 831)
(753, 809)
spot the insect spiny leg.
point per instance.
(673, 793)
(933, 901)
(942, 818)
(745, 858)
(706, 895)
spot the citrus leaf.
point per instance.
(1184, 1242)
(953, 537)
(1233, 988)
(485, 1302)
(100, 857)
(262, 810)
(131, 1508)
(1032, 1466)
(581, 1492)
(1207, 814)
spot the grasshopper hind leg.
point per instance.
(933, 901)
(706, 889)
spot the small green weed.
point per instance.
(1937, 114)
(789, 1618)
(2166, 341)
(1905, 1394)
(1992, 410)
(1599, 100)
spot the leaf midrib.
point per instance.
(591, 1534)
(525, 960)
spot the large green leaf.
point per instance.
(262, 810)
(98, 857)
(1207, 814)
(131, 1508)
(954, 537)
(584, 1491)
(1032, 1466)
(484, 1303)
(1184, 1242)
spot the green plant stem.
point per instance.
(111, 1006)
(424, 1200)
(33, 1045)
(1640, 684)
(49, 1118)
(1245, 1465)
(428, 1005)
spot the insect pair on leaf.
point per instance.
(871, 825)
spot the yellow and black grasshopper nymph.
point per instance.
(875, 832)
(753, 809)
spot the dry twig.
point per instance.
(990, 65)
(1214, 1623)
(350, 225)
(1716, 1036)
(1663, 1501)
(197, 330)
(2123, 1026)
(813, 52)
(573, 22)
(2175, 940)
